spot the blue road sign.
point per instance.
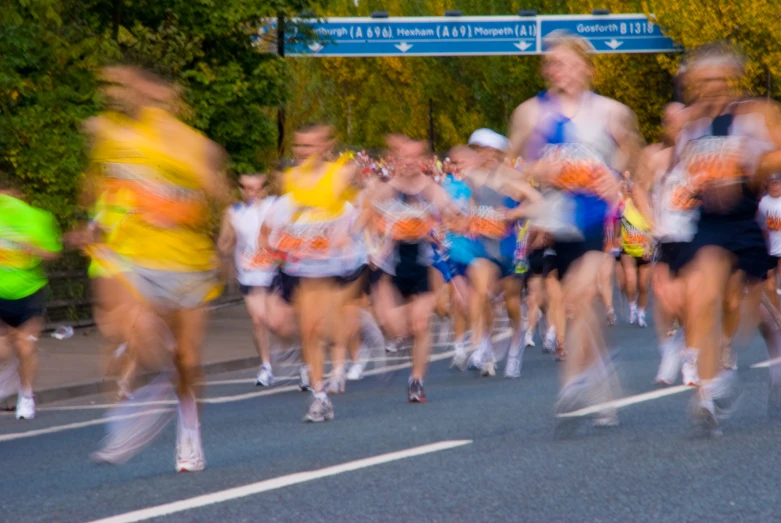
(476, 35)
(612, 33)
(408, 36)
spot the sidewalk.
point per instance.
(75, 367)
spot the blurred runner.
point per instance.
(162, 253)
(579, 141)
(28, 236)
(255, 265)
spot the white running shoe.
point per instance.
(528, 339)
(393, 345)
(641, 319)
(487, 359)
(512, 369)
(25, 407)
(549, 343)
(729, 360)
(632, 314)
(461, 355)
(303, 377)
(689, 368)
(265, 376)
(189, 452)
(670, 365)
(476, 359)
(612, 319)
(356, 371)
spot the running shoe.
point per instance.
(606, 419)
(549, 343)
(393, 345)
(123, 390)
(704, 419)
(25, 407)
(476, 359)
(612, 319)
(356, 371)
(189, 452)
(689, 368)
(512, 369)
(729, 360)
(559, 354)
(641, 319)
(265, 376)
(415, 392)
(320, 409)
(303, 376)
(726, 392)
(632, 314)
(528, 339)
(670, 365)
(461, 355)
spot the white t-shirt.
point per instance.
(253, 267)
(769, 217)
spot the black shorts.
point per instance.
(536, 262)
(246, 290)
(411, 279)
(352, 277)
(16, 313)
(743, 238)
(772, 262)
(285, 285)
(669, 252)
(568, 252)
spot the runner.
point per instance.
(164, 252)
(255, 266)
(312, 228)
(635, 259)
(28, 237)
(406, 208)
(673, 227)
(579, 140)
(719, 151)
(496, 192)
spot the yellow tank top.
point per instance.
(151, 169)
(323, 198)
(634, 231)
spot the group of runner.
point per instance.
(336, 260)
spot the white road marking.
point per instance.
(623, 402)
(71, 426)
(506, 333)
(277, 483)
(765, 364)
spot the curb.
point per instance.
(90, 388)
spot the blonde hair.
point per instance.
(577, 44)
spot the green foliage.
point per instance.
(50, 51)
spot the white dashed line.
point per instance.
(277, 483)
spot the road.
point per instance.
(481, 449)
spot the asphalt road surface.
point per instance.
(481, 449)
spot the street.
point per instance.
(481, 449)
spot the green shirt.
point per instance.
(21, 274)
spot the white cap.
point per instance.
(489, 138)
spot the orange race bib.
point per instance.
(773, 223)
(488, 222)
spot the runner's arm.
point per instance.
(522, 124)
(771, 162)
(642, 184)
(626, 133)
(226, 241)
